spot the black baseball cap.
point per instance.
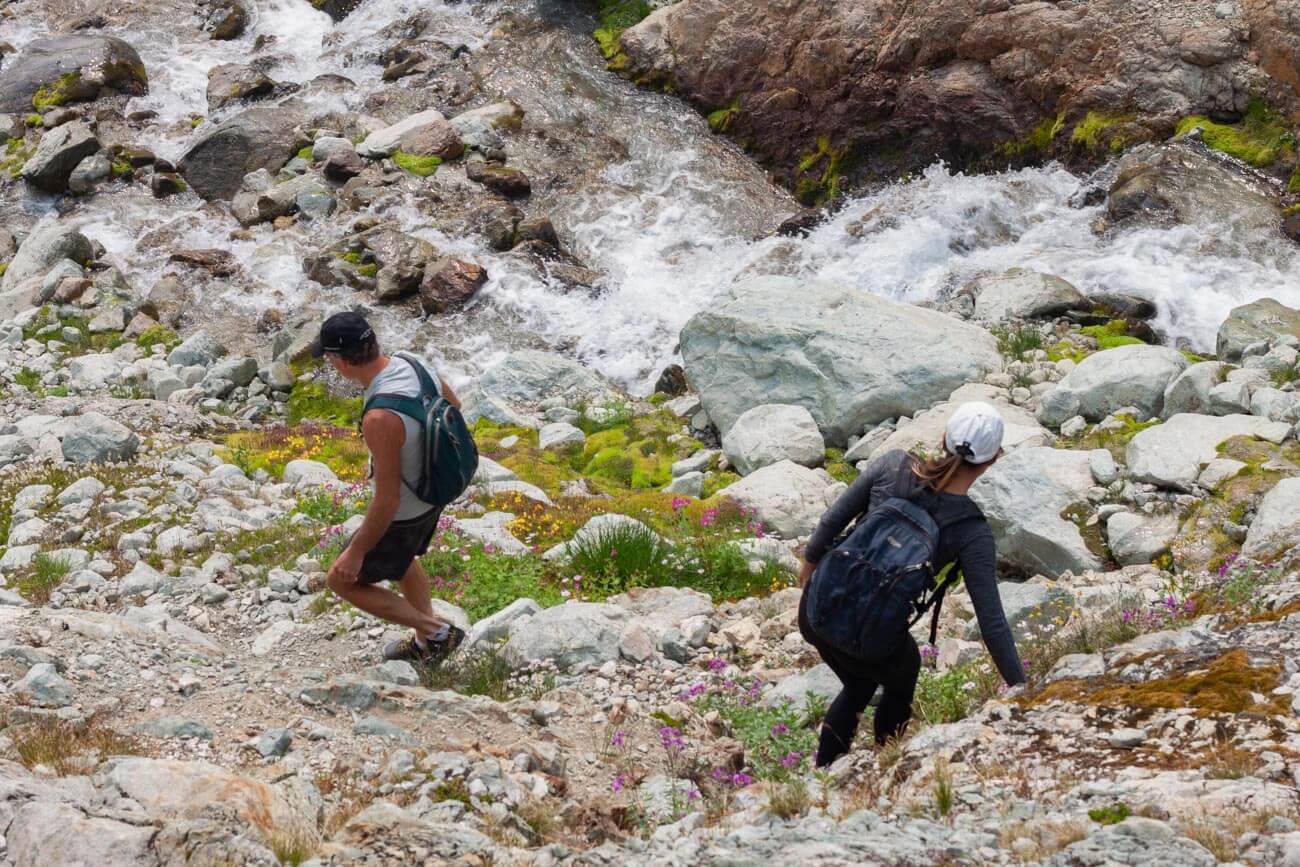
(342, 332)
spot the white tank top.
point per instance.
(399, 378)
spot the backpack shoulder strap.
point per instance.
(428, 384)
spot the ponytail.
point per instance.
(937, 473)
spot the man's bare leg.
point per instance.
(415, 587)
(387, 605)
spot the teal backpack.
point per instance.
(450, 456)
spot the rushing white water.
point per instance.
(672, 223)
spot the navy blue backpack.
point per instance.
(450, 456)
(868, 591)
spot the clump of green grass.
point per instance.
(417, 165)
(1036, 143)
(720, 120)
(1112, 815)
(47, 572)
(57, 744)
(314, 401)
(1017, 344)
(1111, 335)
(1261, 138)
(482, 672)
(158, 335)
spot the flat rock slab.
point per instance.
(1172, 454)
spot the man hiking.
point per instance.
(398, 525)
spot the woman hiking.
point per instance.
(972, 444)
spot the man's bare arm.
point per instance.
(384, 434)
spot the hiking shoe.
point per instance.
(405, 648)
(438, 651)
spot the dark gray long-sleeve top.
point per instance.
(964, 539)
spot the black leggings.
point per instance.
(896, 673)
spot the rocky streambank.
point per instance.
(177, 686)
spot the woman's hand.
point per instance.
(805, 573)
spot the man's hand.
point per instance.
(805, 573)
(347, 568)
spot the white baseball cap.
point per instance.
(975, 432)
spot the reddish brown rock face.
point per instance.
(832, 91)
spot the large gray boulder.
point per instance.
(1023, 496)
(598, 528)
(926, 430)
(851, 358)
(59, 152)
(508, 393)
(771, 433)
(95, 438)
(1262, 320)
(789, 499)
(73, 68)
(42, 686)
(49, 243)
(572, 636)
(1190, 390)
(1113, 379)
(263, 137)
(1276, 528)
(1171, 454)
(1023, 294)
(52, 832)
(1138, 539)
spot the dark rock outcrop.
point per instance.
(75, 68)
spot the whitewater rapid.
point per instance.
(672, 225)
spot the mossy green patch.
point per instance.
(305, 153)
(1115, 440)
(839, 468)
(615, 16)
(370, 269)
(818, 176)
(1261, 138)
(1096, 132)
(158, 335)
(1035, 144)
(34, 120)
(66, 88)
(339, 448)
(313, 400)
(720, 120)
(417, 165)
(196, 121)
(717, 480)
(1111, 335)
(353, 256)
(1227, 684)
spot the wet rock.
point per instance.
(1023, 496)
(1184, 183)
(449, 284)
(96, 438)
(389, 140)
(1171, 454)
(72, 68)
(1276, 527)
(343, 165)
(263, 136)
(224, 19)
(789, 499)
(1126, 376)
(258, 203)
(1023, 294)
(236, 82)
(382, 259)
(165, 184)
(437, 139)
(480, 128)
(771, 433)
(672, 381)
(1262, 320)
(851, 358)
(218, 263)
(505, 180)
(89, 173)
(336, 9)
(58, 154)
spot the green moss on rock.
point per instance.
(720, 120)
(1035, 144)
(62, 90)
(1260, 139)
(312, 400)
(616, 16)
(417, 165)
(1096, 132)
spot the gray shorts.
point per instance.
(399, 547)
